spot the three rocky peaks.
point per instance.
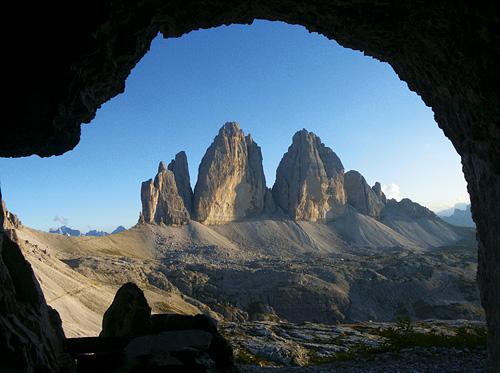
(310, 185)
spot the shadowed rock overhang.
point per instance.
(67, 58)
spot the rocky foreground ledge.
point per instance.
(414, 360)
(424, 346)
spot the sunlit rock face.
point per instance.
(161, 202)
(310, 180)
(179, 166)
(366, 200)
(8, 220)
(231, 184)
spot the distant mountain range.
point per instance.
(451, 210)
(67, 231)
(460, 217)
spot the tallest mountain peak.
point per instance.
(230, 128)
(310, 180)
(231, 184)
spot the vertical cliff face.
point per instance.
(179, 166)
(231, 184)
(377, 189)
(366, 200)
(161, 202)
(310, 180)
(31, 337)
(8, 220)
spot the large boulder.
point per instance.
(128, 315)
(173, 321)
(179, 166)
(161, 201)
(231, 185)
(159, 342)
(219, 350)
(364, 199)
(310, 180)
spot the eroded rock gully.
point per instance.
(447, 53)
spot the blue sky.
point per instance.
(273, 79)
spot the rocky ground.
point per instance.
(195, 268)
(415, 360)
(426, 346)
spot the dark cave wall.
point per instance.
(31, 334)
(68, 60)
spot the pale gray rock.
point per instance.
(231, 185)
(179, 166)
(360, 196)
(310, 180)
(161, 202)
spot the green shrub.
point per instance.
(243, 356)
(404, 336)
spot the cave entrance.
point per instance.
(188, 86)
(273, 79)
(446, 53)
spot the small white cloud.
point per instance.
(392, 191)
(61, 219)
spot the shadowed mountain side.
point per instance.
(418, 223)
(430, 232)
(460, 217)
(282, 237)
(362, 230)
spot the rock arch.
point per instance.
(68, 58)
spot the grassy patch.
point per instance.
(163, 307)
(353, 353)
(242, 356)
(402, 336)
(465, 337)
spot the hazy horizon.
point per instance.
(185, 89)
